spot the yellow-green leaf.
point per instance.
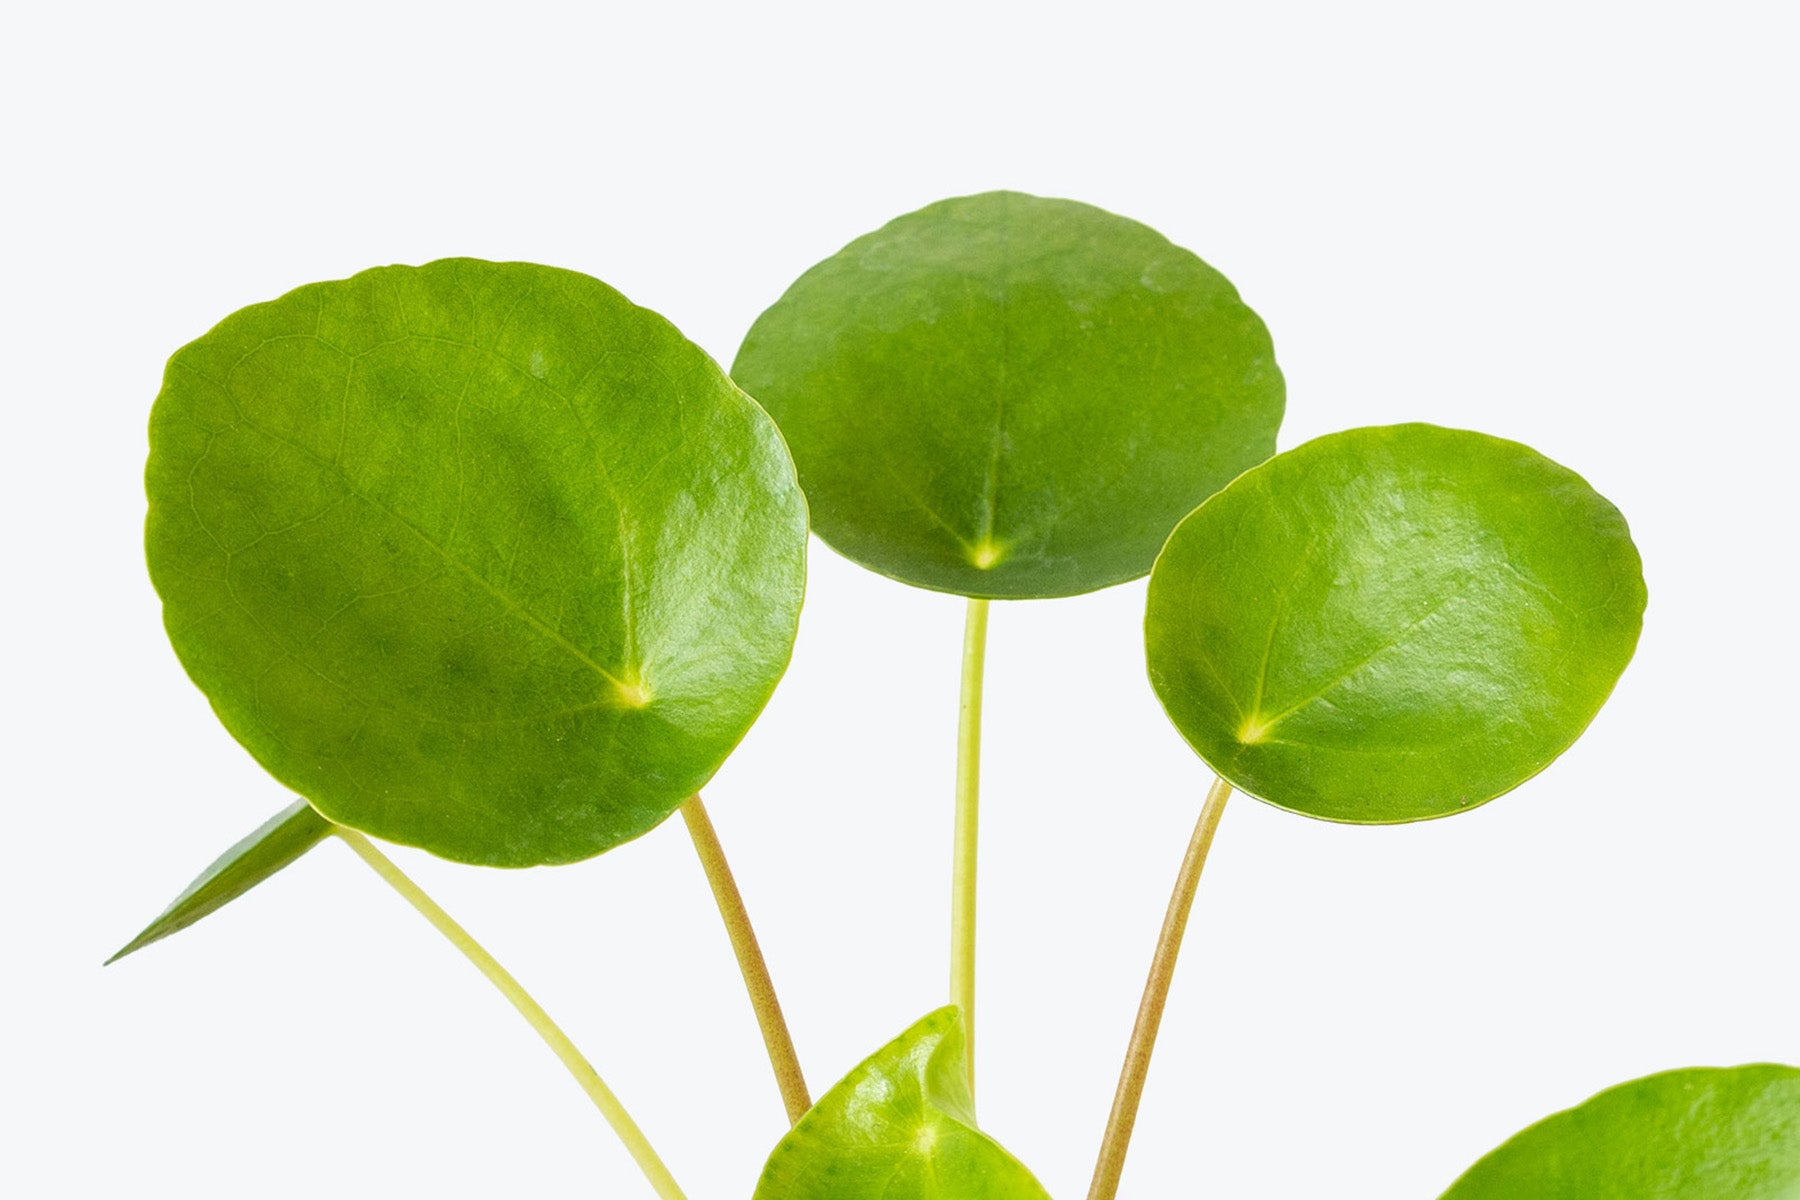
(901, 1126)
(1701, 1134)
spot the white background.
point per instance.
(1569, 224)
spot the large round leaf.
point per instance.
(1391, 624)
(477, 557)
(1700, 1134)
(1007, 396)
(901, 1126)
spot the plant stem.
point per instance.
(534, 1014)
(968, 820)
(751, 964)
(1156, 994)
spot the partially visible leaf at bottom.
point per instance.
(280, 840)
(1707, 1133)
(901, 1126)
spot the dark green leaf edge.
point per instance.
(277, 843)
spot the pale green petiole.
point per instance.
(968, 782)
(534, 1014)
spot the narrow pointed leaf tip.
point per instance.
(901, 1126)
(1706, 1133)
(479, 557)
(1391, 624)
(279, 841)
(1007, 396)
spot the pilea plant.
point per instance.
(484, 559)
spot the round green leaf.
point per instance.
(1392, 624)
(901, 1126)
(1007, 396)
(478, 557)
(1700, 1134)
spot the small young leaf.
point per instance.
(1702, 1134)
(479, 557)
(901, 1126)
(1007, 396)
(280, 840)
(1392, 624)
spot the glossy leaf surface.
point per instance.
(479, 557)
(1007, 396)
(1700, 1134)
(278, 842)
(901, 1126)
(1394, 623)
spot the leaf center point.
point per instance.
(632, 691)
(1255, 728)
(984, 554)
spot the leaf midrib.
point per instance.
(1003, 379)
(511, 605)
(1394, 642)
